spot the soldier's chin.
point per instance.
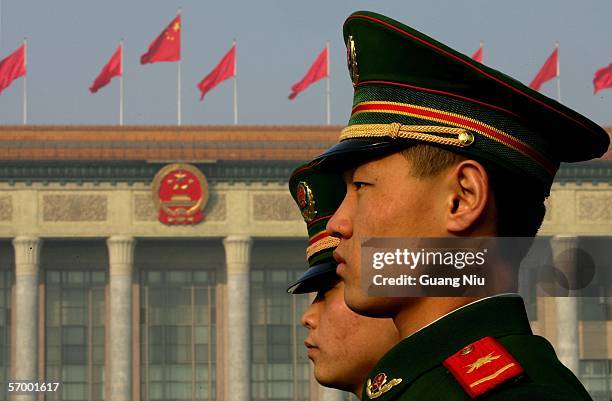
(331, 378)
(380, 307)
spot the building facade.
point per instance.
(99, 295)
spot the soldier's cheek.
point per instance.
(373, 218)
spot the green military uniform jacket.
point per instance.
(419, 367)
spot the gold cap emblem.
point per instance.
(305, 200)
(351, 60)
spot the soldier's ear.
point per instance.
(469, 206)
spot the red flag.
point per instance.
(224, 70)
(113, 68)
(603, 78)
(548, 71)
(317, 71)
(478, 55)
(12, 67)
(167, 46)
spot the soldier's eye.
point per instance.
(358, 185)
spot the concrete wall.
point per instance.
(89, 210)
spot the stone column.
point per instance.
(25, 353)
(566, 308)
(330, 394)
(119, 368)
(238, 351)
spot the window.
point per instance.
(5, 330)
(595, 375)
(595, 258)
(280, 367)
(74, 333)
(594, 308)
(177, 336)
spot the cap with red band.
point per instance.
(410, 88)
(317, 195)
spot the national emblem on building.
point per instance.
(180, 192)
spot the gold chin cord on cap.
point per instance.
(428, 133)
(324, 243)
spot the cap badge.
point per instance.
(306, 202)
(351, 60)
(379, 385)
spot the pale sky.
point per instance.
(70, 40)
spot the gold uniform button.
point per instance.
(466, 138)
(467, 350)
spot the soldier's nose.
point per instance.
(309, 319)
(339, 225)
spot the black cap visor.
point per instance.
(353, 152)
(315, 278)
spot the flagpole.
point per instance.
(558, 74)
(327, 89)
(25, 92)
(235, 86)
(178, 84)
(178, 94)
(121, 87)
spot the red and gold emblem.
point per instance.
(305, 200)
(379, 385)
(180, 192)
(377, 382)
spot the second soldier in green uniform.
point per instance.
(339, 341)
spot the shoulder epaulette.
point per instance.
(482, 366)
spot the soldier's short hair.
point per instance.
(519, 201)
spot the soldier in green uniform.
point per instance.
(440, 145)
(335, 332)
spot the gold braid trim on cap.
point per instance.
(324, 243)
(453, 136)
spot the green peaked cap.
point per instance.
(410, 88)
(317, 195)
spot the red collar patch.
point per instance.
(483, 365)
